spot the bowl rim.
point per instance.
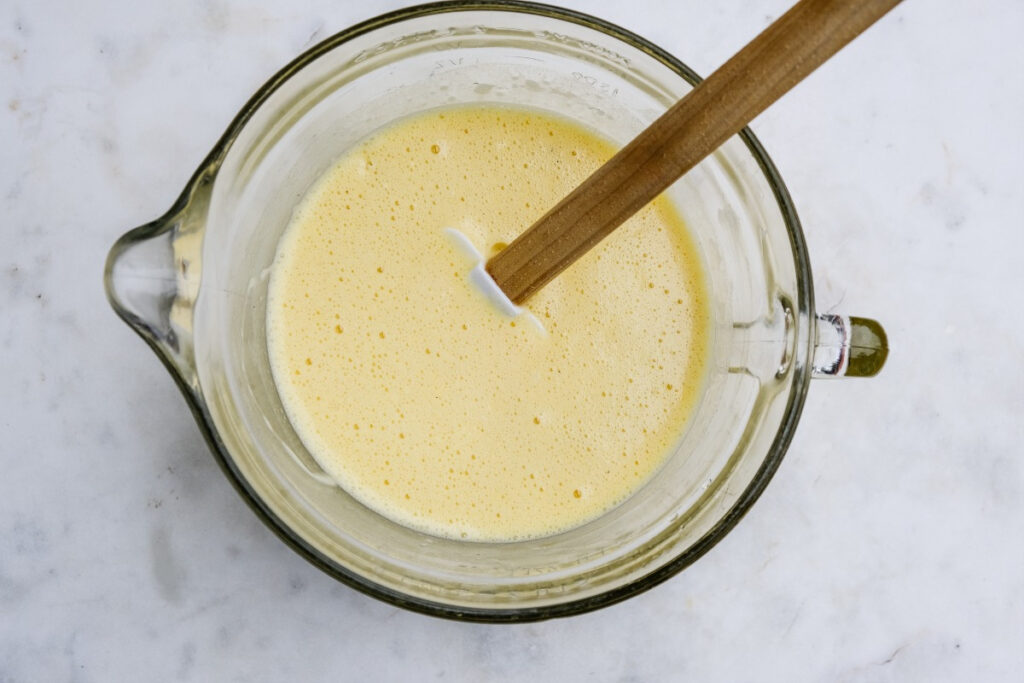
(791, 414)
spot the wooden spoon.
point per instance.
(787, 51)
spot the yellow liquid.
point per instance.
(423, 401)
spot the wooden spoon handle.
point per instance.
(792, 47)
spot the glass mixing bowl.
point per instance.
(193, 284)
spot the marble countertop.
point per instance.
(889, 546)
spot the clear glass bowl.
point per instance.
(194, 284)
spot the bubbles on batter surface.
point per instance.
(428, 406)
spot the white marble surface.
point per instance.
(889, 547)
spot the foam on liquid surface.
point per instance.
(430, 406)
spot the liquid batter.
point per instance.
(429, 405)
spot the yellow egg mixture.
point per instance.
(426, 403)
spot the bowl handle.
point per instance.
(847, 346)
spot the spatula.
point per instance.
(780, 57)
